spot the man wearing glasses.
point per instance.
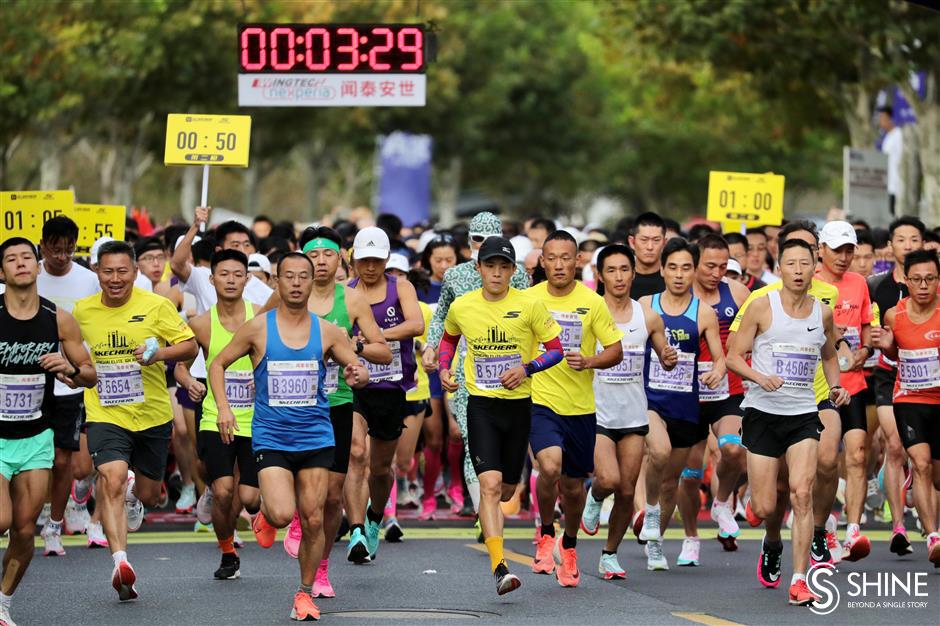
(64, 282)
(458, 280)
(911, 335)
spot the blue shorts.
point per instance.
(434, 382)
(574, 434)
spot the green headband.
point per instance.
(320, 243)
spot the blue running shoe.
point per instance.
(372, 537)
(357, 551)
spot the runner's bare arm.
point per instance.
(708, 322)
(73, 365)
(413, 326)
(830, 360)
(249, 339)
(742, 342)
(883, 336)
(608, 357)
(179, 262)
(376, 349)
(657, 332)
(336, 343)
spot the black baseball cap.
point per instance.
(497, 246)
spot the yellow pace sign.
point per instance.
(194, 139)
(96, 221)
(754, 199)
(22, 213)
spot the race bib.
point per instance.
(293, 383)
(794, 363)
(680, 378)
(918, 369)
(488, 369)
(872, 359)
(331, 384)
(705, 394)
(240, 390)
(21, 396)
(629, 370)
(120, 383)
(571, 330)
(391, 372)
(853, 337)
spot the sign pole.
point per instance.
(205, 191)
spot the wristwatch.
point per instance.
(77, 371)
(871, 349)
(360, 347)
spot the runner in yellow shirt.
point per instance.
(503, 327)
(563, 419)
(129, 332)
(827, 466)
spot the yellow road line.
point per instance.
(419, 533)
(705, 618)
(509, 555)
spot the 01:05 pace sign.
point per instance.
(328, 65)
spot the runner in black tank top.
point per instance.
(30, 331)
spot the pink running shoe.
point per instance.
(321, 584)
(293, 536)
(428, 508)
(455, 495)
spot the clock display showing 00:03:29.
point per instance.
(330, 48)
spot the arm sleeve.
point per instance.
(554, 353)
(436, 328)
(448, 349)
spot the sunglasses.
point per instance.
(480, 237)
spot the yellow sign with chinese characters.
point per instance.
(22, 213)
(96, 221)
(193, 139)
(754, 199)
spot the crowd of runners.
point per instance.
(318, 381)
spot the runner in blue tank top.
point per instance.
(672, 396)
(382, 404)
(292, 436)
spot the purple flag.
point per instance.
(405, 180)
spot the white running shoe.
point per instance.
(132, 505)
(723, 515)
(96, 536)
(5, 619)
(76, 516)
(187, 499)
(655, 560)
(52, 537)
(650, 531)
(609, 568)
(689, 556)
(204, 507)
(44, 515)
(591, 516)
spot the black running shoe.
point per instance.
(900, 544)
(768, 566)
(505, 582)
(819, 549)
(229, 569)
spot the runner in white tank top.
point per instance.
(622, 422)
(787, 332)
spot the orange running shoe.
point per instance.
(566, 561)
(752, 518)
(264, 532)
(933, 549)
(123, 579)
(543, 562)
(800, 595)
(304, 609)
(856, 547)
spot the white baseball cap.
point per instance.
(734, 266)
(397, 262)
(180, 239)
(259, 262)
(371, 243)
(93, 254)
(837, 234)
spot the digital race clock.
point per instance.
(331, 64)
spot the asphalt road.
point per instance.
(440, 575)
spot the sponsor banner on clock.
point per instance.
(331, 90)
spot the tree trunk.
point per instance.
(189, 191)
(314, 156)
(252, 189)
(856, 104)
(907, 201)
(50, 169)
(927, 131)
(449, 192)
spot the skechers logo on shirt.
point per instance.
(136, 318)
(510, 315)
(582, 310)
